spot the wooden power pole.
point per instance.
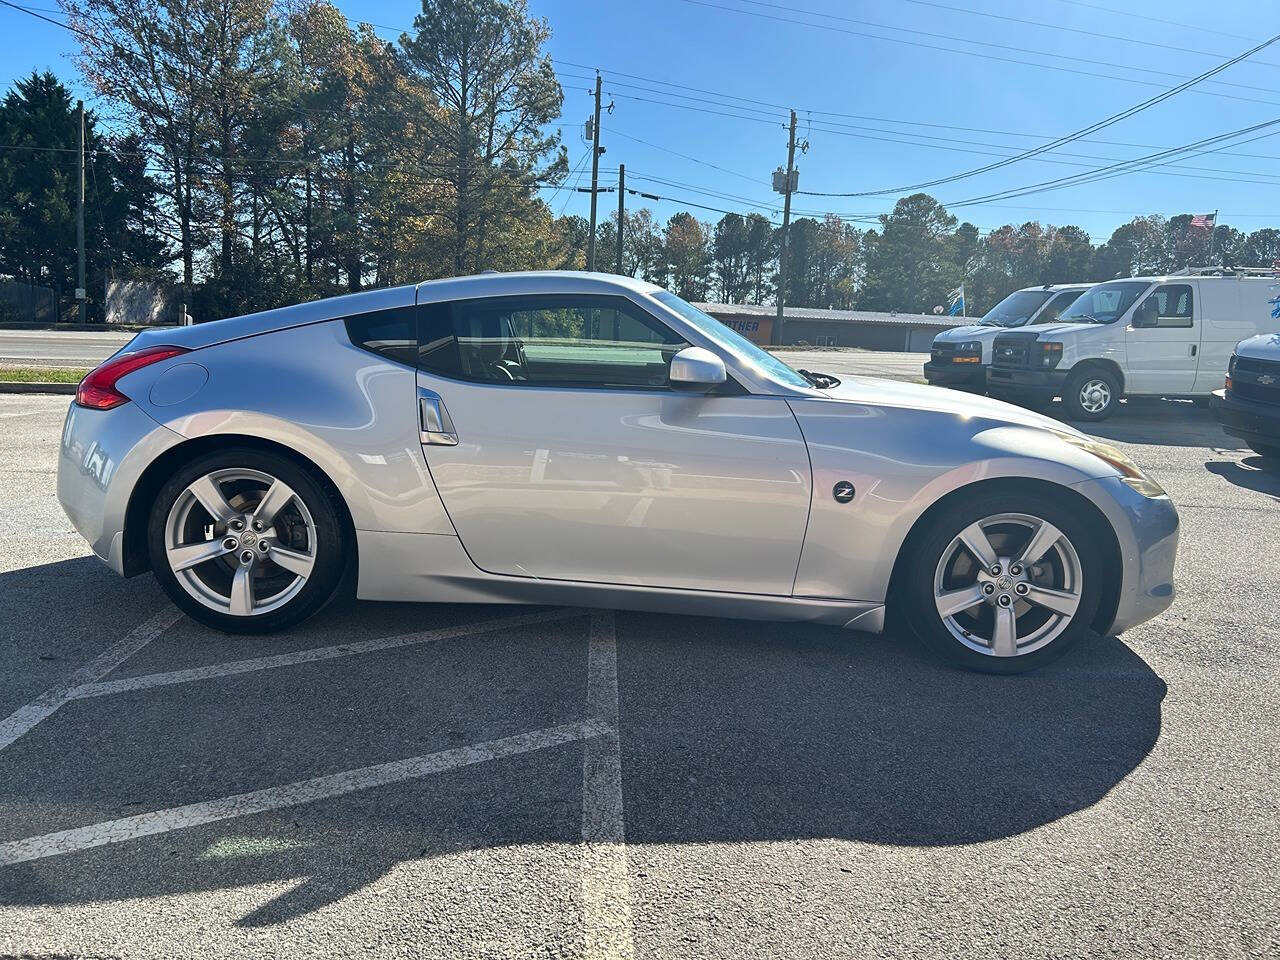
(789, 183)
(595, 179)
(81, 293)
(622, 211)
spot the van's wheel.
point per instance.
(1003, 583)
(246, 541)
(1091, 394)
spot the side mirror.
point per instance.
(695, 367)
(1146, 315)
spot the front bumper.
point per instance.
(1147, 531)
(1021, 382)
(1246, 419)
(970, 375)
(103, 454)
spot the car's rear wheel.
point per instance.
(246, 541)
(1003, 583)
(1091, 394)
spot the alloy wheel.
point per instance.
(1008, 585)
(240, 541)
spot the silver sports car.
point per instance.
(593, 440)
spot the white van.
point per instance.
(1166, 336)
(961, 355)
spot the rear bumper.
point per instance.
(970, 375)
(1016, 381)
(1246, 419)
(1147, 531)
(103, 454)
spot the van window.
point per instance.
(1054, 308)
(1105, 303)
(1173, 305)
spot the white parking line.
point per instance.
(292, 794)
(24, 718)
(146, 681)
(606, 877)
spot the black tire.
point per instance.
(915, 594)
(331, 549)
(1075, 386)
(1265, 450)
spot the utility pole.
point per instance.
(595, 178)
(789, 183)
(622, 193)
(80, 288)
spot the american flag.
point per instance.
(1204, 220)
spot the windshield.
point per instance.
(1105, 303)
(739, 346)
(1015, 309)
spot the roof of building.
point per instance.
(721, 310)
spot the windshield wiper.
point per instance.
(822, 381)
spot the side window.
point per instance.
(389, 333)
(1053, 310)
(548, 340)
(1173, 305)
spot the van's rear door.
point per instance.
(1234, 309)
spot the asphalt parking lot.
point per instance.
(447, 781)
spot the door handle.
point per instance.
(434, 423)
(1194, 348)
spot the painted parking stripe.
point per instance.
(606, 876)
(24, 718)
(231, 668)
(292, 794)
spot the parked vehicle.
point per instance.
(960, 356)
(1248, 406)
(592, 440)
(1166, 336)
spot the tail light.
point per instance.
(97, 391)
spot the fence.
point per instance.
(26, 303)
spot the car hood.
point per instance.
(967, 332)
(1048, 330)
(1265, 346)
(893, 393)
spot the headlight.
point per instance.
(1130, 472)
(968, 352)
(1050, 352)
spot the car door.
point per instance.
(1163, 341)
(561, 452)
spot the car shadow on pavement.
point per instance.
(730, 731)
(1251, 473)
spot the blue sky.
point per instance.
(889, 92)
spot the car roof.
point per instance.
(529, 282)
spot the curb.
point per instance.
(67, 389)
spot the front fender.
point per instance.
(902, 461)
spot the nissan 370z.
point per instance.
(594, 440)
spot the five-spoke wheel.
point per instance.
(246, 541)
(1003, 581)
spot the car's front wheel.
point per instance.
(1003, 582)
(246, 541)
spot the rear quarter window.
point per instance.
(388, 333)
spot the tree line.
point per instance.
(262, 152)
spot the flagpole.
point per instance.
(1212, 230)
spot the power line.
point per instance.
(1121, 166)
(972, 53)
(1085, 131)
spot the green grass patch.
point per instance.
(41, 375)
